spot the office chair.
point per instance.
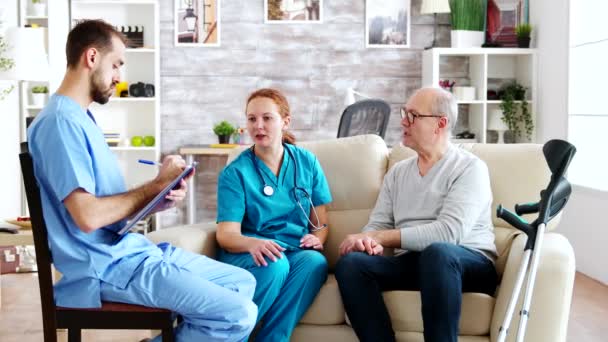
(365, 117)
(110, 315)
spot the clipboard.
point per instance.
(145, 211)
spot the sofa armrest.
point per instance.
(197, 238)
(550, 306)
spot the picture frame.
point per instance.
(293, 11)
(387, 23)
(197, 23)
(501, 19)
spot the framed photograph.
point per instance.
(293, 11)
(502, 18)
(197, 23)
(387, 23)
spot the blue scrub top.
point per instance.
(69, 152)
(277, 217)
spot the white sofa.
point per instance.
(355, 167)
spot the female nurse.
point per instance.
(272, 217)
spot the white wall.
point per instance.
(583, 222)
(550, 36)
(10, 172)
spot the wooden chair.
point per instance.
(110, 315)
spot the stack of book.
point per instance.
(112, 138)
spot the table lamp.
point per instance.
(350, 96)
(495, 123)
(434, 7)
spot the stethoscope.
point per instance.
(268, 190)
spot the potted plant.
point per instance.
(523, 35)
(468, 22)
(38, 8)
(223, 130)
(39, 95)
(515, 111)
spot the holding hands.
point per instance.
(259, 248)
(360, 243)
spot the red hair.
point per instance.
(279, 99)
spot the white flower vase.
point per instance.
(467, 39)
(38, 99)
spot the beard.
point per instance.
(99, 92)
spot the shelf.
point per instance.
(32, 107)
(500, 101)
(471, 102)
(132, 148)
(483, 51)
(140, 50)
(132, 99)
(113, 2)
(36, 17)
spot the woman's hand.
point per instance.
(311, 241)
(259, 248)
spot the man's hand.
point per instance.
(311, 241)
(360, 243)
(172, 166)
(260, 248)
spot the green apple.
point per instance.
(149, 140)
(137, 140)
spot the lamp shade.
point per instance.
(27, 50)
(435, 6)
(495, 122)
(350, 97)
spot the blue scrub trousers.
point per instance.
(213, 298)
(285, 289)
(441, 272)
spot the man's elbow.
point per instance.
(85, 223)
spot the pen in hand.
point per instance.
(149, 162)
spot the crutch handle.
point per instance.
(526, 208)
(513, 219)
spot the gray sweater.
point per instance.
(451, 203)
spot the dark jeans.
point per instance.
(441, 272)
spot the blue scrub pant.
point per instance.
(285, 289)
(213, 298)
(441, 272)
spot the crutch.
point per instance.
(558, 154)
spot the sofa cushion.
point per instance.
(327, 308)
(354, 167)
(404, 308)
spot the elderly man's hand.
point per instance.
(360, 243)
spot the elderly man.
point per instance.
(435, 209)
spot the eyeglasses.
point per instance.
(411, 117)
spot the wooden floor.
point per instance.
(21, 321)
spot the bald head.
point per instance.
(439, 102)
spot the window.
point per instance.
(588, 94)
